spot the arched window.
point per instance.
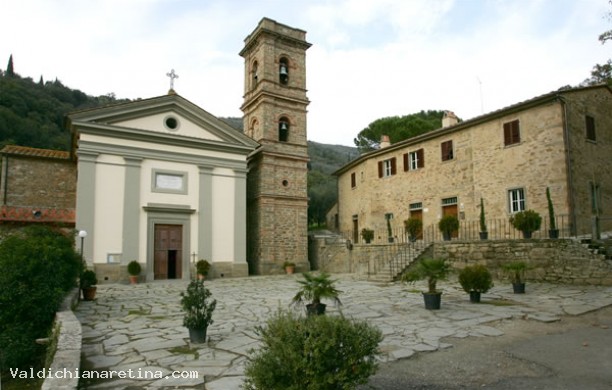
(254, 74)
(253, 128)
(283, 71)
(283, 129)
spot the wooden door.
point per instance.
(168, 252)
(451, 209)
(418, 214)
(355, 230)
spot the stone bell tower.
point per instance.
(275, 116)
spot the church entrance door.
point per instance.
(168, 253)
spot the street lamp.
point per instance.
(82, 234)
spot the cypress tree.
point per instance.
(9, 68)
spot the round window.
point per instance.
(285, 183)
(171, 123)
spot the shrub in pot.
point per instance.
(289, 267)
(553, 232)
(516, 270)
(316, 352)
(431, 270)
(134, 270)
(448, 224)
(314, 288)
(88, 283)
(367, 235)
(475, 280)
(202, 269)
(414, 228)
(527, 221)
(198, 306)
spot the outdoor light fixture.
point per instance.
(82, 234)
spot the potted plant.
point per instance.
(516, 269)
(431, 270)
(202, 269)
(198, 306)
(388, 217)
(414, 228)
(475, 280)
(553, 232)
(313, 288)
(448, 224)
(134, 269)
(88, 283)
(289, 267)
(367, 235)
(527, 221)
(483, 223)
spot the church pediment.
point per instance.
(170, 115)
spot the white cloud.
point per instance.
(368, 59)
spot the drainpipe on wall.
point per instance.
(5, 163)
(568, 155)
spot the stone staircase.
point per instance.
(599, 247)
(398, 260)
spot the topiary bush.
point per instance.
(312, 353)
(39, 266)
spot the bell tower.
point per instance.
(275, 116)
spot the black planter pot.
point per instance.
(526, 234)
(197, 336)
(519, 288)
(553, 233)
(446, 236)
(315, 309)
(432, 300)
(484, 235)
(412, 238)
(475, 296)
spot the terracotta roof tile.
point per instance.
(35, 152)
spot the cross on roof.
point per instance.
(172, 76)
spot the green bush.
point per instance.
(312, 353)
(39, 265)
(475, 278)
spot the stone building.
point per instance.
(561, 140)
(37, 186)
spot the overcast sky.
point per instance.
(369, 58)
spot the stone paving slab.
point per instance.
(139, 327)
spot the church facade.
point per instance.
(163, 182)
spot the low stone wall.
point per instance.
(555, 261)
(67, 355)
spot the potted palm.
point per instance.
(314, 288)
(516, 270)
(198, 306)
(553, 232)
(483, 223)
(289, 267)
(431, 270)
(367, 235)
(202, 269)
(414, 228)
(88, 282)
(527, 221)
(475, 280)
(448, 224)
(134, 269)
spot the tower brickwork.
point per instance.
(275, 107)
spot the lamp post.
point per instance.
(82, 234)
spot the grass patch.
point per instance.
(500, 302)
(139, 312)
(185, 351)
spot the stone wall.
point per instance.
(554, 261)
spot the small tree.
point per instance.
(312, 353)
(483, 222)
(551, 211)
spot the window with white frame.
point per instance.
(516, 200)
(387, 168)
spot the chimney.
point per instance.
(384, 141)
(449, 119)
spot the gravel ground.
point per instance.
(574, 353)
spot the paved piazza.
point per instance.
(139, 327)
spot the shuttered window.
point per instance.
(590, 128)
(447, 150)
(512, 133)
(387, 168)
(353, 180)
